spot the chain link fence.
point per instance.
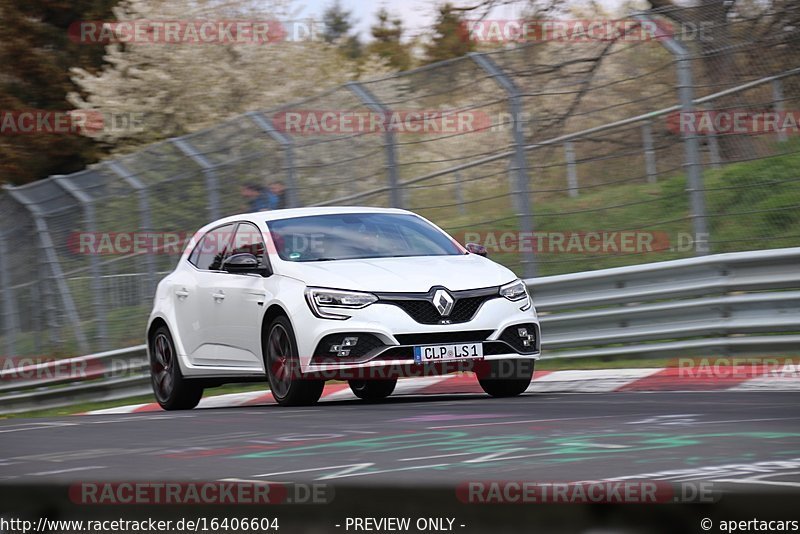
(558, 155)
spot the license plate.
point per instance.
(446, 353)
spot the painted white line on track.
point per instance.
(496, 423)
(60, 471)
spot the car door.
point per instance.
(245, 297)
(200, 306)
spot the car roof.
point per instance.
(274, 215)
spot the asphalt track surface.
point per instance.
(739, 439)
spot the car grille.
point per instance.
(431, 338)
(422, 310)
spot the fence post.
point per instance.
(10, 326)
(36, 315)
(649, 153)
(521, 192)
(287, 144)
(90, 224)
(572, 169)
(691, 145)
(51, 259)
(212, 182)
(459, 191)
(778, 105)
(372, 103)
(145, 218)
(713, 148)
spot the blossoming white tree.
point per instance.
(176, 88)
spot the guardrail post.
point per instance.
(287, 144)
(521, 191)
(778, 105)
(212, 182)
(649, 153)
(95, 269)
(145, 219)
(50, 257)
(572, 170)
(372, 103)
(691, 145)
(10, 325)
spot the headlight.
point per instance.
(516, 291)
(318, 299)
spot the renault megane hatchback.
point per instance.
(301, 296)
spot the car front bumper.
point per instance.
(391, 334)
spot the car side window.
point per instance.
(210, 251)
(248, 240)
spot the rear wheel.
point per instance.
(172, 390)
(372, 390)
(506, 378)
(283, 367)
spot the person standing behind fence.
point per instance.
(258, 197)
(277, 195)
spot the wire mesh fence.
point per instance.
(559, 156)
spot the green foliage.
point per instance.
(37, 53)
(338, 23)
(387, 44)
(450, 38)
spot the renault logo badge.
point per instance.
(443, 301)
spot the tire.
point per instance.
(507, 378)
(283, 367)
(172, 390)
(373, 390)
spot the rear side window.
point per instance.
(210, 251)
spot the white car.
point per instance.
(359, 294)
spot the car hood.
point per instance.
(415, 274)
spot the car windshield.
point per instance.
(358, 235)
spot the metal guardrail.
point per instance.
(105, 376)
(743, 302)
(725, 303)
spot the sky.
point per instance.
(417, 15)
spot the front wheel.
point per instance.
(506, 378)
(283, 367)
(172, 390)
(373, 390)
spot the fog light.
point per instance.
(527, 338)
(349, 342)
(343, 353)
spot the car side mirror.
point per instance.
(475, 248)
(244, 263)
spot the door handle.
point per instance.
(182, 293)
(218, 296)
